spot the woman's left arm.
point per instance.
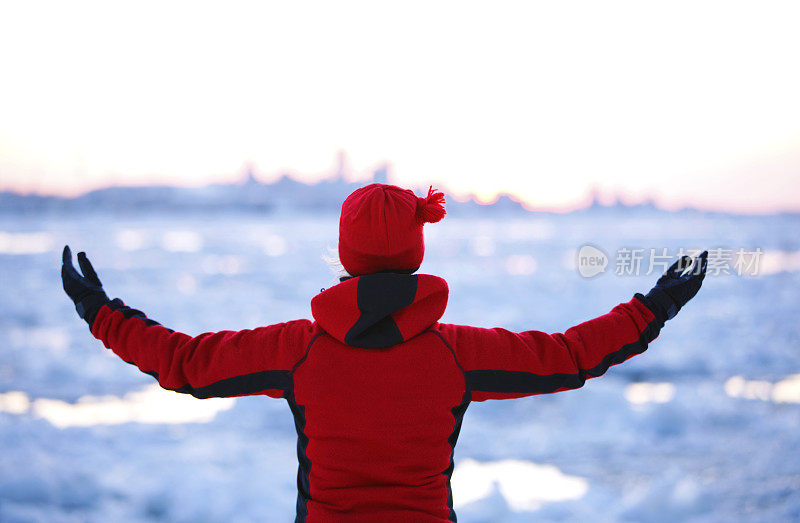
(214, 364)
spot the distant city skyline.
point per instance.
(695, 105)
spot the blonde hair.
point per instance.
(334, 263)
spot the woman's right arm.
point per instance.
(500, 364)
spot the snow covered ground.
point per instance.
(702, 427)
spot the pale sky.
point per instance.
(692, 103)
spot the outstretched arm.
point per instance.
(500, 364)
(219, 364)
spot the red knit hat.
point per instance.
(380, 228)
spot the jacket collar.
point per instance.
(380, 310)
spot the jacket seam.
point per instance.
(458, 419)
(308, 350)
(296, 408)
(455, 358)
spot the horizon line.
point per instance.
(592, 196)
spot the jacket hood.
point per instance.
(380, 310)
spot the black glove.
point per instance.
(85, 290)
(676, 286)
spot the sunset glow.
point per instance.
(688, 103)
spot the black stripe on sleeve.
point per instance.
(518, 382)
(117, 305)
(513, 381)
(243, 385)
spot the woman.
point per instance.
(378, 387)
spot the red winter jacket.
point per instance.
(377, 386)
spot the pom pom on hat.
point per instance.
(380, 228)
(431, 208)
